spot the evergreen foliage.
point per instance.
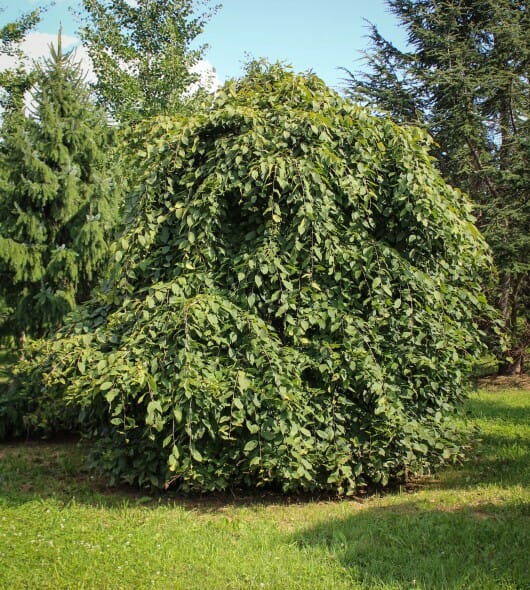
(293, 302)
(14, 82)
(58, 204)
(466, 78)
(141, 54)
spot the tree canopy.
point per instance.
(293, 302)
(465, 77)
(14, 82)
(141, 53)
(58, 203)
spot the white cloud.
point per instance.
(208, 78)
(37, 46)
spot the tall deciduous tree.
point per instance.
(12, 33)
(466, 77)
(141, 53)
(57, 205)
(14, 82)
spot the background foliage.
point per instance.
(465, 77)
(293, 301)
(141, 54)
(58, 202)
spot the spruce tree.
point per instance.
(14, 82)
(466, 78)
(58, 201)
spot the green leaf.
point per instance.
(243, 381)
(250, 446)
(111, 395)
(252, 428)
(196, 455)
(302, 226)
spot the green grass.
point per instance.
(468, 528)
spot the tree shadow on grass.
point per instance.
(508, 466)
(412, 545)
(41, 470)
(57, 471)
(37, 470)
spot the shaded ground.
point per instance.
(500, 383)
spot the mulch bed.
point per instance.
(495, 383)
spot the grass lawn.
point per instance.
(469, 528)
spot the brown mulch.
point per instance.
(496, 383)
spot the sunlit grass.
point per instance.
(468, 528)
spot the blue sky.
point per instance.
(320, 35)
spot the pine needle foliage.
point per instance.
(58, 204)
(293, 301)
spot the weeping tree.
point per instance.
(293, 302)
(58, 202)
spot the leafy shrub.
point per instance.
(32, 410)
(292, 303)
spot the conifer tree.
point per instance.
(58, 201)
(466, 78)
(14, 82)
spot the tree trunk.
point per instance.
(21, 342)
(513, 363)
